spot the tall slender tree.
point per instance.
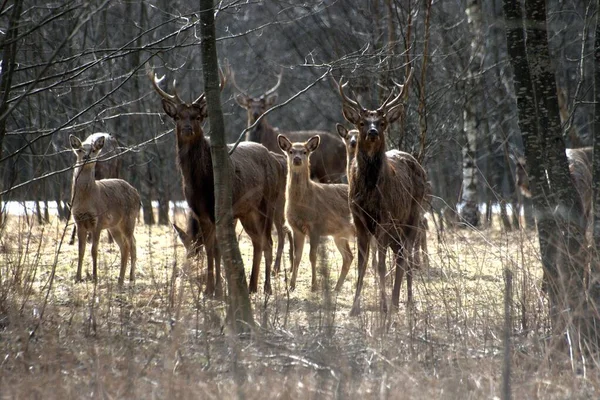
(240, 311)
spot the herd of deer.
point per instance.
(293, 180)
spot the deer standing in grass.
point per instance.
(111, 204)
(254, 191)
(314, 209)
(107, 166)
(386, 194)
(328, 162)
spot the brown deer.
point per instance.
(350, 138)
(191, 238)
(328, 162)
(314, 209)
(107, 166)
(386, 195)
(111, 204)
(254, 189)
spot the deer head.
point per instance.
(188, 117)
(87, 151)
(256, 106)
(298, 153)
(372, 124)
(350, 137)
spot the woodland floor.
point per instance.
(162, 338)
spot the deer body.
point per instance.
(386, 195)
(254, 189)
(327, 163)
(315, 209)
(106, 167)
(111, 204)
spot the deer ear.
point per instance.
(351, 114)
(99, 143)
(313, 143)
(284, 143)
(242, 100)
(75, 142)
(270, 100)
(342, 131)
(394, 113)
(170, 108)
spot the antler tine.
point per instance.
(239, 89)
(345, 98)
(175, 94)
(274, 88)
(156, 84)
(389, 104)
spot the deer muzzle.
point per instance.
(297, 161)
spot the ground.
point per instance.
(162, 338)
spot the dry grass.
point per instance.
(161, 338)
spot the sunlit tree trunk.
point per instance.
(240, 311)
(472, 116)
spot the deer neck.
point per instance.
(84, 182)
(264, 134)
(299, 184)
(370, 167)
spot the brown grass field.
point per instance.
(162, 339)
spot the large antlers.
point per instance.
(354, 103)
(174, 98)
(274, 88)
(387, 104)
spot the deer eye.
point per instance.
(361, 123)
(305, 152)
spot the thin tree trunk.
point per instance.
(240, 311)
(472, 117)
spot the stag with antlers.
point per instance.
(255, 188)
(386, 194)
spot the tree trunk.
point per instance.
(240, 311)
(558, 209)
(472, 117)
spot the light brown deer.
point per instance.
(314, 209)
(107, 166)
(279, 215)
(111, 204)
(254, 185)
(386, 195)
(328, 162)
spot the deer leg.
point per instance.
(280, 242)
(362, 239)
(73, 233)
(133, 251)
(400, 267)
(314, 246)
(256, 256)
(268, 255)
(298, 248)
(82, 242)
(344, 249)
(208, 235)
(95, 242)
(291, 242)
(123, 244)
(381, 269)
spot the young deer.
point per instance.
(111, 204)
(386, 195)
(314, 209)
(327, 162)
(106, 167)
